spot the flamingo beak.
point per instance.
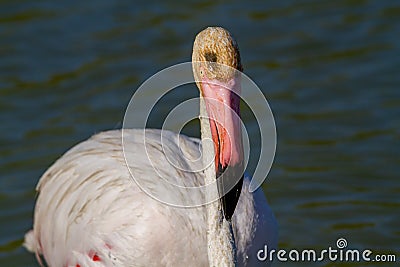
(222, 102)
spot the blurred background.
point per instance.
(330, 71)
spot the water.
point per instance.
(329, 69)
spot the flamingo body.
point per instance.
(90, 212)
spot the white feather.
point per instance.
(89, 204)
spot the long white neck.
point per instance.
(220, 240)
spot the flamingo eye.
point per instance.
(211, 62)
(210, 57)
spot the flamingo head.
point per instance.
(217, 71)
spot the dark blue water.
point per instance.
(330, 70)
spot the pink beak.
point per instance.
(223, 107)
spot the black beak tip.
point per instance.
(229, 199)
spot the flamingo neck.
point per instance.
(220, 240)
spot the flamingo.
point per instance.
(89, 212)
